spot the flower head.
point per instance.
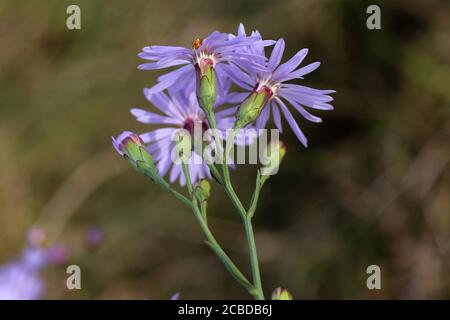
(180, 111)
(217, 51)
(274, 90)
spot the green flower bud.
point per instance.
(202, 190)
(281, 294)
(252, 106)
(130, 146)
(206, 84)
(274, 155)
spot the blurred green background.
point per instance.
(372, 188)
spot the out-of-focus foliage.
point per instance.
(372, 188)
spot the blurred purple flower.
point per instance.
(37, 237)
(175, 296)
(274, 81)
(20, 280)
(94, 237)
(218, 48)
(58, 254)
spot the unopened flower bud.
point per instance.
(281, 294)
(274, 155)
(252, 106)
(202, 190)
(131, 147)
(206, 83)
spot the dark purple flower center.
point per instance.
(189, 125)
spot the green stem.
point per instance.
(246, 218)
(215, 173)
(200, 215)
(187, 176)
(253, 258)
(255, 196)
(214, 245)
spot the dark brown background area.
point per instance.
(372, 188)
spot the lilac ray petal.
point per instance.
(214, 37)
(182, 179)
(226, 112)
(311, 101)
(299, 88)
(160, 65)
(298, 74)
(276, 116)
(290, 119)
(276, 55)
(235, 42)
(164, 50)
(263, 117)
(150, 117)
(156, 134)
(161, 101)
(248, 65)
(304, 113)
(290, 65)
(164, 164)
(170, 78)
(233, 98)
(160, 146)
(184, 81)
(175, 172)
(238, 76)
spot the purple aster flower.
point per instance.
(20, 280)
(94, 237)
(37, 237)
(180, 110)
(273, 85)
(218, 50)
(58, 254)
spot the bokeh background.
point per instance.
(372, 188)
